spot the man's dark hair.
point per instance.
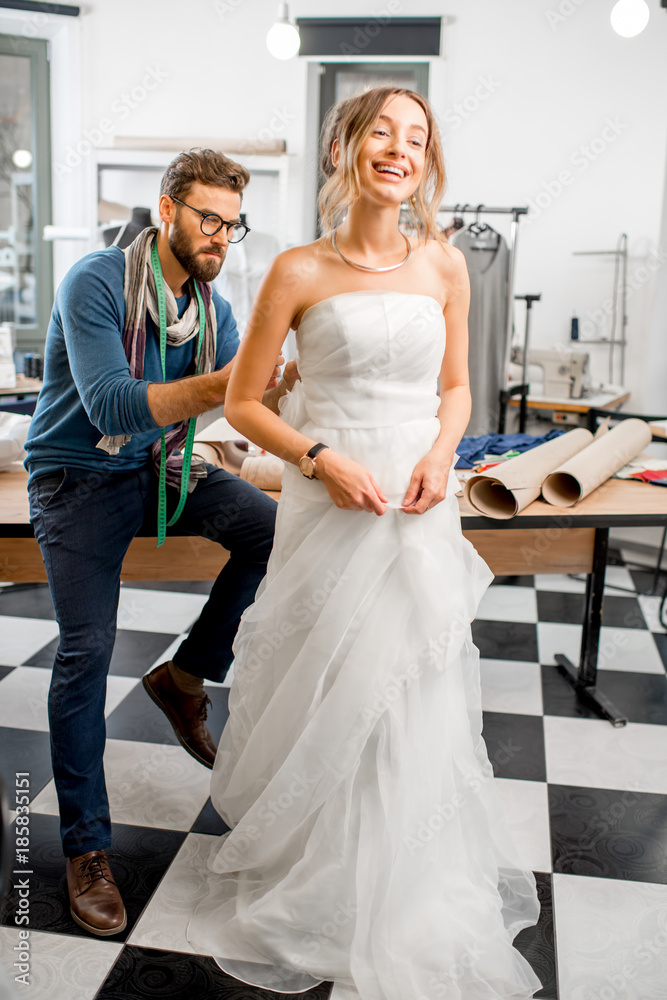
(206, 166)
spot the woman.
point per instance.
(367, 846)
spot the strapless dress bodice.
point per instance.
(369, 363)
(370, 358)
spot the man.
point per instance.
(94, 455)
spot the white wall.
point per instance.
(536, 80)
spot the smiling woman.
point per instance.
(355, 703)
(347, 127)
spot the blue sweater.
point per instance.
(88, 390)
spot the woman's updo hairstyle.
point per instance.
(351, 122)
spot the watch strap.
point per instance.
(316, 449)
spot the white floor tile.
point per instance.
(511, 686)
(158, 610)
(628, 649)
(21, 638)
(594, 754)
(164, 921)
(637, 558)
(611, 938)
(149, 784)
(559, 582)
(25, 692)
(650, 609)
(502, 603)
(61, 965)
(526, 808)
(618, 576)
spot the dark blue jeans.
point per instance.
(84, 522)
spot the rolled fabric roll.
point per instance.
(265, 471)
(584, 472)
(507, 488)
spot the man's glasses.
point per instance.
(212, 224)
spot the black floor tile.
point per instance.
(25, 750)
(639, 697)
(617, 611)
(608, 833)
(614, 557)
(209, 821)
(643, 581)
(142, 857)
(133, 654)
(505, 640)
(149, 974)
(137, 717)
(661, 643)
(537, 944)
(27, 601)
(5, 670)
(175, 586)
(515, 745)
(514, 581)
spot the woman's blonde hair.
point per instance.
(351, 122)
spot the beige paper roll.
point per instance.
(583, 473)
(506, 489)
(265, 471)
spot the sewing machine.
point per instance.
(561, 373)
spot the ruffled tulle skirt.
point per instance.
(368, 845)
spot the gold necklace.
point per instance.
(365, 267)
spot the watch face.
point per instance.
(307, 466)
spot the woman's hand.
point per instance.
(428, 484)
(350, 486)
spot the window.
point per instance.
(26, 270)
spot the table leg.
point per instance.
(583, 679)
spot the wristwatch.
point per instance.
(307, 461)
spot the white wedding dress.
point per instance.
(367, 845)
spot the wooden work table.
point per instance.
(541, 539)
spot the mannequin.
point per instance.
(122, 236)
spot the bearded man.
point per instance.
(138, 345)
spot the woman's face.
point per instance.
(391, 162)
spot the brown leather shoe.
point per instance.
(95, 902)
(186, 712)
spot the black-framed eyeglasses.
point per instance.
(212, 224)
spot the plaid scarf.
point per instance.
(140, 296)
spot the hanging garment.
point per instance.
(368, 844)
(487, 324)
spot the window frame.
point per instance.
(31, 336)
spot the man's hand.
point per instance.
(291, 374)
(275, 377)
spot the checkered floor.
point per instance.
(587, 803)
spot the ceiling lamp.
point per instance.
(22, 158)
(629, 17)
(283, 39)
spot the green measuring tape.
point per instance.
(162, 523)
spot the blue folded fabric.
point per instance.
(473, 449)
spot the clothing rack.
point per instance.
(516, 214)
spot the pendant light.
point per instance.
(629, 17)
(283, 39)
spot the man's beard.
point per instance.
(199, 267)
